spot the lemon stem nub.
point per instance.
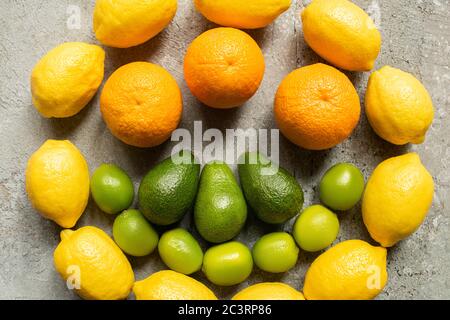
(66, 234)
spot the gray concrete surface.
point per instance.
(416, 38)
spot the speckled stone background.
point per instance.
(416, 38)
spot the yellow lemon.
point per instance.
(351, 270)
(397, 198)
(66, 79)
(57, 182)
(128, 23)
(93, 264)
(341, 33)
(249, 14)
(269, 291)
(398, 106)
(171, 285)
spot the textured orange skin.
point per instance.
(317, 107)
(141, 104)
(224, 67)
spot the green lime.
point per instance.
(180, 251)
(341, 187)
(275, 252)
(316, 228)
(134, 234)
(112, 189)
(228, 264)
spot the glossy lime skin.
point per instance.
(275, 252)
(180, 251)
(316, 228)
(341, 187)
(134, 234)
(112, 189)
(228, 264)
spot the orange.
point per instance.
(317, 107)
(224, 67)
(141, 104)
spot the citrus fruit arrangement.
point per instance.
(316, 107)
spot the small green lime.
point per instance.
(316, 228)
(275, 252)
(341, 187)
(228, 264)
(134, 234)
(112, 189)
(180, 251)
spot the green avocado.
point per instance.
(274, 195)
(220, 210)
(168, 190)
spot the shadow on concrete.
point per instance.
(61, 128)
(117, 57)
